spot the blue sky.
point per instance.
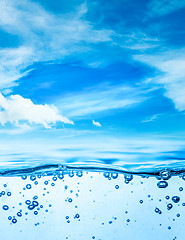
(92, 71)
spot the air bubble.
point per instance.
(79, 174)
(71, 174)
(77, 215)
(60, 176)
(117, 186)
(181, 189)
(9, 194)
(70, 200)
(169, 206)
(14, 220)
(175, 199)
(28, 202)
(31, 207)
(128, 178)
(24, 177)
(5, 207)
(157, 210)
(35, 203)
(54, 178)
(32, 177)
(165, 175)
(39, 175)
(114, 175)
(106, 174)
(162, 184)
(19, 214)
(28, 186)
(46, 182)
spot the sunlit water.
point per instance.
(55, 202)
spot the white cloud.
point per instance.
(100, 98)
(140, 41)
(163, 7)
(43, 37)
(21, 112)
(151, 118)
(172, 74)
(97, 124)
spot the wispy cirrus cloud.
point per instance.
(151, 118)
(164, 7)
(171, 74)
(23, 112)
(99, 99)
(42, 36)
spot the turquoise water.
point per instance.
(59, 202)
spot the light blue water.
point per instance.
(59, 202)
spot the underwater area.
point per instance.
(55, 202)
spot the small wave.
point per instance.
(56, 169)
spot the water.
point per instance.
(74, 203)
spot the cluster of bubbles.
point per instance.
(34, 205)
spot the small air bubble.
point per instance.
(106, 174)
(79, 174)
(165, 175)
(28, 186)
(162, 184)
(5, 207)
(14, 220)
(169, 206)
(32, 177)
(54, 178)
(46, 182)
(24, 177)
(175, 199)
(19, 214)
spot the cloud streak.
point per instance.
(171, 76)
(164, 7)
(99, 99)
(43, 36)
